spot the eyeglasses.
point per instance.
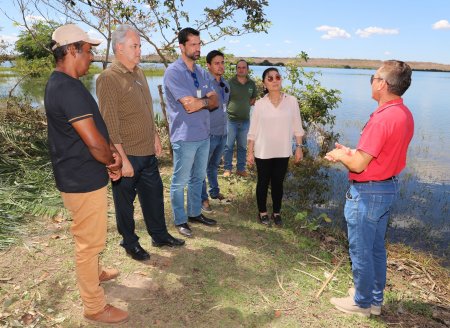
(372, 77)
(223, 85)
(271, 78)
(196, 83)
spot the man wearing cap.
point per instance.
(82, 159)
(127, 108)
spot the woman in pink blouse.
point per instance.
(274, 123)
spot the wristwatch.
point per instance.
(298, 145)
(205, 103)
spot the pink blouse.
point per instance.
(272, 128)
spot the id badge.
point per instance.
(224, 108)
(199, 93)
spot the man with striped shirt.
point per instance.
(126, 106)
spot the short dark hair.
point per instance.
(241, 60)
(213, 53)
(60, 52)
(183, 35)
(398, 76)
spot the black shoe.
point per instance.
(138, 253)
(202, 219)
(264, 219)
(277, 220)
(184, 229)
(168, 241)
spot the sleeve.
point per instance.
(173, 85)
(255, 90)
(297, 121)
(373, 139)
(108, 98)
(254, 121)
(76, 104)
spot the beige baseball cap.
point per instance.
(71, 33)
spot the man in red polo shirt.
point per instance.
(374, 165)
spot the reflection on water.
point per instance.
(422, 212)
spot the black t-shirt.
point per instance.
(67, 101)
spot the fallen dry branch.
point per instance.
(329, 278)
(308, 274)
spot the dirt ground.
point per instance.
(237, 274)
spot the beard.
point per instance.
(194, 56)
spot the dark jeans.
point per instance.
(147, 183)
(273, 171)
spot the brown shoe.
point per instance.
(108, 274)
(226, 173)
(243, 174)
(109, 315)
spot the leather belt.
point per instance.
(388, 179)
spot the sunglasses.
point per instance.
(271, 78)
(196, 83)
(223, 85)
(372, 77)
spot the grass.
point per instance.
(238, 274)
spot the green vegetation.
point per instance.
(26, 179)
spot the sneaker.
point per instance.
(374, 309)
(226, 173)
(109, 315)
(348, 305)
(206, 207)
(277, 220)
(221, 198)
(264, 219)
(243, 174)
(108, 274)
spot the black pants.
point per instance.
(147, 184)
(273, 171)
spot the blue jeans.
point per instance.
(367, 211)
(190, 159)
(216, 146)
(237, 131)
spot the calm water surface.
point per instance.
(421, 215)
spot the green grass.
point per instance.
(154, 71)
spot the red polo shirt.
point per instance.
(386, 137)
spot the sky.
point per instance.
(409, 30)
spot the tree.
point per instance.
(34, 43)
(157, 21)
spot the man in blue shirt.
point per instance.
(190, 96)
(215, 61)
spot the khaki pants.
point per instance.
(89, 215)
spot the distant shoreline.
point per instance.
(327, 62)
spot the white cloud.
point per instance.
(234, 41)
(333, 32)
(33, 18)
(387, 53)
(369, 31)
(8, 38)
(288, 41)
(441, 25)
(267, 44)
(253, 51)
(248, 45)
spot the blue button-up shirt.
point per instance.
(179, 83)
(218, 117)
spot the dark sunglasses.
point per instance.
(271, 78)
(196, 83)
(223, 85)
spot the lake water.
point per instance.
(421, 215)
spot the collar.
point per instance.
(388, 104)
(121, 67)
